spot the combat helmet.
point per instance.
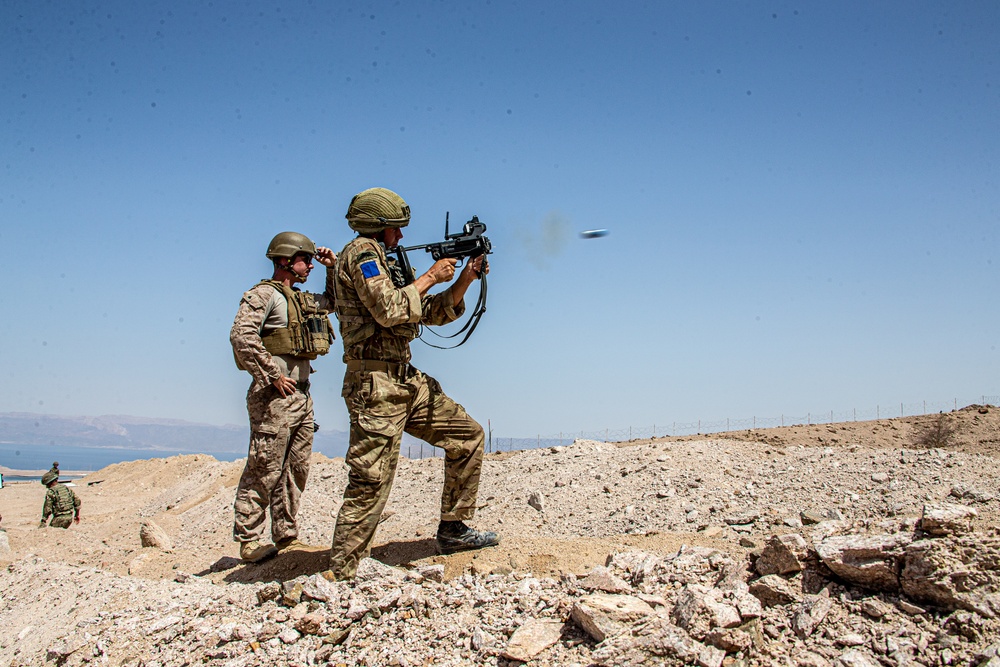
(374, 209)
(289, 244)
(49, 477)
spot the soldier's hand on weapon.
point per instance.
(285, 386)
(325, 256)
(443, 270)
(478, 267)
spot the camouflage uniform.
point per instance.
(61, 504)
(386, 396)
(281, 428)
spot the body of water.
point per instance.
(89, 459)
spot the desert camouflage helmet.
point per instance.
(49, 477)
(289, 244)
(374, 209)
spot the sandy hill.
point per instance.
(93, 593)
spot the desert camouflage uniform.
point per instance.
(61, 504)
(386, 396)
(281, 428)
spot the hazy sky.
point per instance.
(802, 198)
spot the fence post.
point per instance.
(901, 409)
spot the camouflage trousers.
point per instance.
(61, 521)
(382, 406)
(281, 437)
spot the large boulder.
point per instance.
(782, 555)
(656, 642)
(602, 616)
(947, 519)
(532, 638)
(955, 573)
(151, 535)
(869, 561)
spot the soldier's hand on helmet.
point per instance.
(325, 256)
(285, 386)
(443, 270)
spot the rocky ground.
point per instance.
(860, 543)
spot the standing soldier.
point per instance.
(278, 330)
(385, 395)
(60, 503)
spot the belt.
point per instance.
(303, 387)
(393, 369)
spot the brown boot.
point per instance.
(255, 552)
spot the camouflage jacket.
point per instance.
(262, 309)
(377, 319)
(60, 499)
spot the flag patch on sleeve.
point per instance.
(369, 269)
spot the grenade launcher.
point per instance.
(467, 244)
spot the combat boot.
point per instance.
(255, 552)
(455, 536)
(287, 543)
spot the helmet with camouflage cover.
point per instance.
(374, 209)
(49, 477)
(289, 244)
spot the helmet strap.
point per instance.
(288, 268)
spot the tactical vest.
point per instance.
(356, 321)
(308, 333)
(62, 500)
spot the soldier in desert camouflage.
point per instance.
(60, 502)
(385, 395)
(277, 332)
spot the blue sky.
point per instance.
(802, 198)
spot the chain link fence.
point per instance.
(414, 448)
(497, 443)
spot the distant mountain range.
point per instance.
(140, 433)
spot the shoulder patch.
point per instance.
(370, 269)
(367, 254)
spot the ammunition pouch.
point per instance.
(308, 334)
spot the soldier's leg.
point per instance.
(377, 407)
(440, 421)
(287, 492)
(268, 439)
(62, 521)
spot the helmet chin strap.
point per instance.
(289, 267)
